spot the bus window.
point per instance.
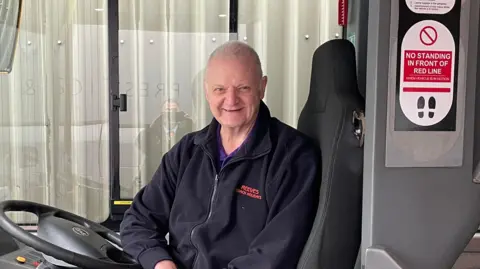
(55, 115)
(54, 110)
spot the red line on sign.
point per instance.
(428, 35)
(438, 90)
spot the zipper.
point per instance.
(212, 199)
(214, 193)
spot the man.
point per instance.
(241, 193)
(167, 129)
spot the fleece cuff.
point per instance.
(149, 258)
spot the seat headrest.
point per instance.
(333, 67)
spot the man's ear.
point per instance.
(263, 86)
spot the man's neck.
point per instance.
(232, 138)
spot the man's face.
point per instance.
(234, 90)
(170, 107)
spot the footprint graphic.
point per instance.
(421, 106)
(432, 103)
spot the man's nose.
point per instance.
(231, 96)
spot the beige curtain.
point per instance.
(54, 104)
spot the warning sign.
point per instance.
(421, 66)
(427, 73)
(430, 6)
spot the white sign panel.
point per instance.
(427, 73)
(430, 6)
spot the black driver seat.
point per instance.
(333, 117)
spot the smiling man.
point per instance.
(241, 193)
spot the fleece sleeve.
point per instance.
(145, 223)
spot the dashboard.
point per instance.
(23, 258)
(16, 255)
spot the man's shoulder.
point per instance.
(288, 135)
(293, 149)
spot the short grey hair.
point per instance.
(237, 49)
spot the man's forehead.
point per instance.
(231, 61)
(230, 68)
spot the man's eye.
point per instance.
(244, 88)
(217, 89)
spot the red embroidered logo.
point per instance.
(249, 191)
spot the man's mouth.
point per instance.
(232, 110)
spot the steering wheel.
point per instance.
(83, 242)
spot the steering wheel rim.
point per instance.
(52, 250)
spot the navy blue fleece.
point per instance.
(254, 212)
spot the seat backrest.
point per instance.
(333, 118)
